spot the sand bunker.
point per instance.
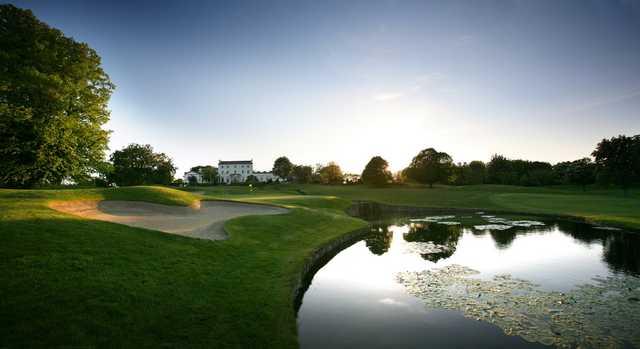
(204, 222)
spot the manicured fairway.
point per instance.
(604, 206)
(68, 281)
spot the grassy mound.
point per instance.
(68, 281)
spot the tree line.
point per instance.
(616, 161)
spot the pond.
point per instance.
(477, 280)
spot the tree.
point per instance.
(477, 172)
(104, 171)
(330, 174)
(376, 172)
(53, 103)
(282, 167)
(138, 164)
(500, 170)
(209, 173)
(581, 172)
(618, 160)
(302, 174)
(251, 179)
(430, 166)
(193, 180)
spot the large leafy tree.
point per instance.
(430, 166)
(500, 170)
(618, 160)
(209, 173)
(53, 103)
(282, 167)
(138, 164)
(376, 172)
(330, 174)
(302, 173)
(581, 172)
(477, 172)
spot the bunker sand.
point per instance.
(206, 221)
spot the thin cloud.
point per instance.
(606, 101)
(388, 96)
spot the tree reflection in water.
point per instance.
(440, 234)
(378, 240)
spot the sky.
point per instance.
(343, 81)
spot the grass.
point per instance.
(74, 282)
(68, 281)
(595, 205)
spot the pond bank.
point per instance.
(370, 210)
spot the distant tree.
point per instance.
(193, 180)
(331, 174)
(251, 179)
(376, 172)
(137, 164)
(282, 167)
(477, 172)
(209, 173)
(581, 172)
(500, 170)
(430, 166)
(302, 174)
(460, 174)
(104, 171)
(53, 103)
(164, 170)
(399, 177)
(618, 160)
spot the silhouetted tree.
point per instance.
(477, 172)
(302, 173)
(137, 164)
(430, 166)
(581, 172)
(500, 170)
(618, 160)
(282, 167)
(53, 103)
(376, 172)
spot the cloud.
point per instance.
(388, 96)
(596, 103)
(430, 81)
(391, 301)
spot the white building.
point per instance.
(266, 177)
(193, 174)
(238, 171)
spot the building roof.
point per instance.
(236, 162)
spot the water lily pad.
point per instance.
(595, 315)
(426, 248)
(492, 227)
(448, 222)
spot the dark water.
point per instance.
(356, 301)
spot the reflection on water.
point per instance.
(356, 301)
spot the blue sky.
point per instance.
(343, 81)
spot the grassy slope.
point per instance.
(607, 206)
(70, 281)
